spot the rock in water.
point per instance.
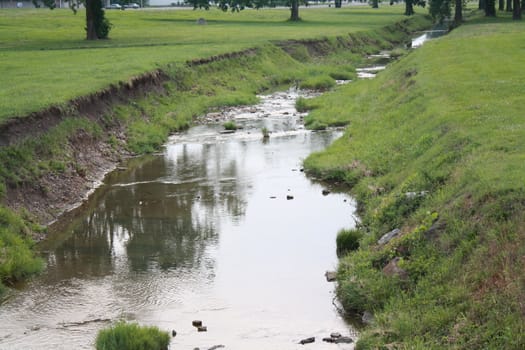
(196, 323)
(202, 329)
(307, 340)
(331, 276)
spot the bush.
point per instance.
(131, 336)
(348, 241)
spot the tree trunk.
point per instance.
(508, 8)
(490, 8)
(294, 9)
(91, 33)
(501, 6)
(516, 13)
(481, 4)
(338, 4)
(375, 4)
(409, 8)
(458, 12)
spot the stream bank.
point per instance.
(48, 168)
(440, 194)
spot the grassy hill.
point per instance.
(435, 147)
(46, 60)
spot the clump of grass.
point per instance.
(131, 336)
(265, 132)
(320, 82)
(348, 241)
(17, 260)
(230, 125)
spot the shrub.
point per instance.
(131, 336)
(348, 241)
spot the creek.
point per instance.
(220, 227)
(206, 230)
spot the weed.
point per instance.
(131, 336)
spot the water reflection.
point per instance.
(203, 231)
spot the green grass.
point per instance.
(16, 256)
(436, 147)
(131, 336)
(46, 59)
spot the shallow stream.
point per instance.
(207, 230)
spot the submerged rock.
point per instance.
(196, 323)
(335, 335)
(289, 197)
(202, 329)
(325, 192)
(307, 340)
(331, 276)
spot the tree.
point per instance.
(97, 25)
(238, 5)
(338, 4)
(490, 8)
(516, 12)
(508, 7)
(441, 9)
(409, 6)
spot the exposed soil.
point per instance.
(56, 192)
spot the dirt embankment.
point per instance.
(91, 158)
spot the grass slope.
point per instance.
(436, 147)
(45, 59)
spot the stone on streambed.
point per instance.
(202, 329)
(289, 197)
(307, 341)
(196, 323)
(338, 340)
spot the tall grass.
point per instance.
(131, 336)
(435, 147)
(16, 257)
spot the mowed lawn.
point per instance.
(45, 59)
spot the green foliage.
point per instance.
(131, 336)
(265, 132)
(317, 83)
(348, 241)
(230, 125)
(17, 260)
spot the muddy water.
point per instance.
(203, 231)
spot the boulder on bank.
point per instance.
(393, 269)
(387, 237)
